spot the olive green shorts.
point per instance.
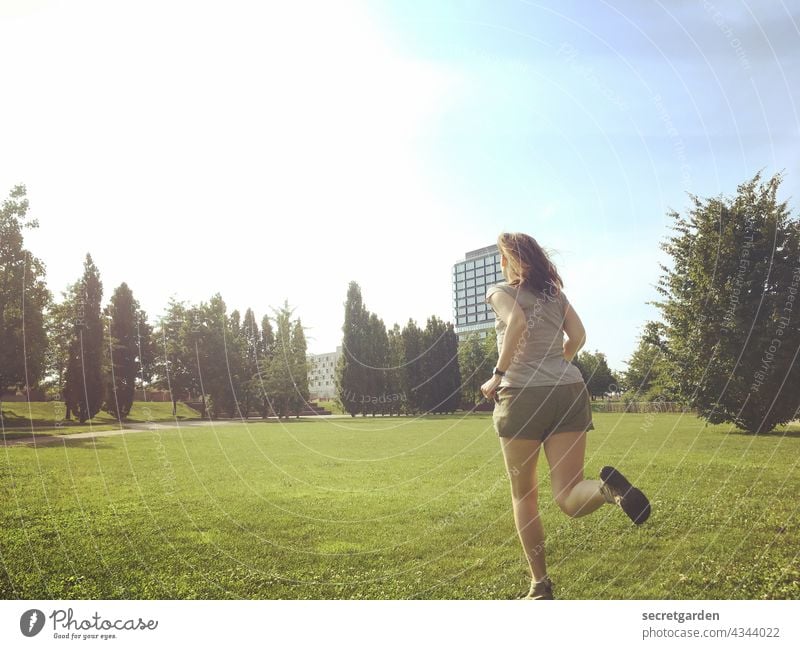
(536, 411)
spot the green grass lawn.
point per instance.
(331, 405)
(47, 417)
(401, 508)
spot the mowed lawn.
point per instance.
(392, 508)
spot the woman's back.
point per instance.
(539, 357)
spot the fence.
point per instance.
(641, 406)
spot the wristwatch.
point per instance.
(498, 372)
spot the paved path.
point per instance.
(49, 440)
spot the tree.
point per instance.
(218, 360)
(128, 340)
(376, 360)
(249, 336)
(83, 390)
(299, 368)
(647, 376)
(492, 353)
(394, 374)
(451, 381)
(730, 334)
(277, 373)
(23, 298)
(414, 371)
(59, 324)
(265, 354)
(595, 371)
(475, 366)
(350, 373)
(440, 387)
(175, 358)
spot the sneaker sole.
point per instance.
(633, 502)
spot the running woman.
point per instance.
(541, 400)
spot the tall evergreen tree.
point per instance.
(376, 360)
(730, 333)
(146, 349)
(23, 298)
(83, 390)
(278, 380)
(235, 351)
(250, 337)
(433, 366)
(414, 372)
(441, 386)
(265, 354)
(123, 344)
(451, 387)
(299, 369)
(394, 374)
(218, 357)
(350, 373)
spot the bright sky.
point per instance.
(278, 150)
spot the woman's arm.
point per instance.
(576, 334)
(512, 314)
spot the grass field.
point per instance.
(401, 508)
(47, 417)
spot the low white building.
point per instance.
(321, 377)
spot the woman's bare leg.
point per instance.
(565, 454)
(521, 456)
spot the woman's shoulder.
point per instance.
(548, 295)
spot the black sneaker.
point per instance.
(542, 590)
(616, 488)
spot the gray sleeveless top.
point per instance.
(539, 357)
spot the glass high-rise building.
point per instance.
(471, 277)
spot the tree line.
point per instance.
(94, 357)
(395, 371)
(726, 343)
